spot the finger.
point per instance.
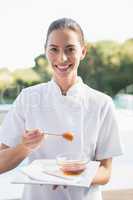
(29, 130)
(34, 131)
(33, 140)
(40, 131)
(33, 134)
(28, 134)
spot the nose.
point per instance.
(63, 57)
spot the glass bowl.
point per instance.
(72, 163)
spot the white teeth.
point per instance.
(62, 67)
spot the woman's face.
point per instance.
(64, 53)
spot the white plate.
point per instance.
(46, 172)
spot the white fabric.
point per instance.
(84, 111)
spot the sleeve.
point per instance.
(14, 123)
(108, 140)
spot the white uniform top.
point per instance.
(84, 111)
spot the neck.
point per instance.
(65, 83)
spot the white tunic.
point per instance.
(84, 111)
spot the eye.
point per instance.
(70, 50)
(53, 49)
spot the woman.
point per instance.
(64, 103)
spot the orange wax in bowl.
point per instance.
(72, 163)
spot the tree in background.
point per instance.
(6, 82)
(125, 75)
(42, 68)
(108, 66)
(26, 77)
(13, 82)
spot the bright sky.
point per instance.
(23, 24)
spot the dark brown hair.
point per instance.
(65, 23)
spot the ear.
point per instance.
(83, 53)
(45, 48)
(45, 52)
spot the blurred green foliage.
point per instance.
(42, 68)
(108, 67)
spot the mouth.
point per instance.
(63, 68)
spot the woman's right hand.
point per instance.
(32, 139)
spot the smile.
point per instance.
(63, 68)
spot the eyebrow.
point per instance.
(69, 45)
(53, 45)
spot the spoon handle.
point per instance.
(54, 134)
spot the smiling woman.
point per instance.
(65, 49)
(43, 108)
